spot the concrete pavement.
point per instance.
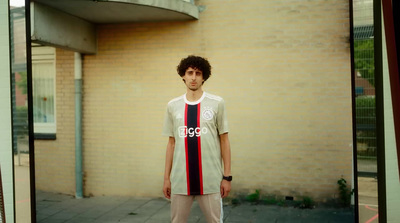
(56, 208)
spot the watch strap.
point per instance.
(227, 178)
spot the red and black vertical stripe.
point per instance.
(193, 150)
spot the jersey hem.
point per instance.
(204, 193)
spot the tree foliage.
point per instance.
(364, 59)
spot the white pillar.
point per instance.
(6, 155)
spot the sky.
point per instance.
(17, 2)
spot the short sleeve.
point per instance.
(222, 121)
(168, 129)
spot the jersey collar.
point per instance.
(194, 102)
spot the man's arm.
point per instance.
(168, 166)
(226, 158)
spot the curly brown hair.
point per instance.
(196, 62)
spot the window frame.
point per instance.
(46, 54)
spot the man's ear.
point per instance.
(183, 80)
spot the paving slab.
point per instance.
(56, 208)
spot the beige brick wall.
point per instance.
(55, 159)
(283, 68)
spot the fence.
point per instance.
(365, 85)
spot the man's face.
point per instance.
(193, 78)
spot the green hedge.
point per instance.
(20, 120)
(365, 124)
(365, 111)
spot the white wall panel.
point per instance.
(5, 113)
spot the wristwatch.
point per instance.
(228, 178)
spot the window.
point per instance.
(44, 103)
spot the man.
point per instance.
(198, 157)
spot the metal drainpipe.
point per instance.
(78, 126)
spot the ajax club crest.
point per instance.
(208, 114)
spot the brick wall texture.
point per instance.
(55, 159)
(283, 68)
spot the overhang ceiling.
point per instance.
(122, 11)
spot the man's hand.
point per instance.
(168, 166)
(167, 189)
(225, 188)
(226, 157)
